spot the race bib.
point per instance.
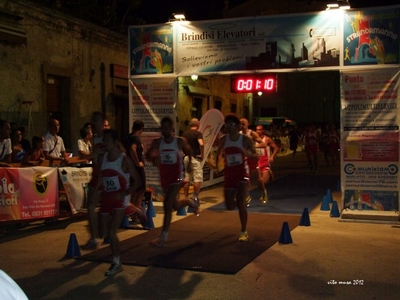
(168, 157)
(234, 159)
(260, 151)
(111, 184)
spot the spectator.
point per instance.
(5, 144)
(18, 151)
(35, 155)
(24, 141)
(54, 149)
(83, 147)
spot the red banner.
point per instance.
(28, 193)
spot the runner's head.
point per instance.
(167, 126)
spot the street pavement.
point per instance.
(330, 259)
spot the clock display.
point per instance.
(250, 84)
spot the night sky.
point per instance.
(160, 11)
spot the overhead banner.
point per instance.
(273, 42)
(28, 193)
(371, 37)
(370, 139)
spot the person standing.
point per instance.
(312, 138)
(195, 140)
(266, 156)
(117, 172)
(254, 174)
(235, 149)
(98, 150)
(166, 153)
(5, 144)
(54, 149)
(135, 150)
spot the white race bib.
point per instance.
(111, 184)
(234, 159)
(168, 157)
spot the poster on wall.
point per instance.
(370, 139)
(371, 37)
(28, 193)
(289, 41)
(151, 50)
(152, 99)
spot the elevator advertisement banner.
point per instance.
(370, 139)
(151, 50)
(371, 37)
(28, 193)
(273, 42)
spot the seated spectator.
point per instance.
(54, 149)
(83, 147)
(24, 141)
(5, 144)
(35, 155)
(18, 151)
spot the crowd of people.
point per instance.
(118, 179)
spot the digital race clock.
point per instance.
(253, 83)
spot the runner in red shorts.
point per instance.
(166, 153)
(235, 149)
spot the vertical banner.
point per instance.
(151, 50)
(371, 37)
(210, 126)
(28, 193)
(75, 182)
(370, 139)
(152, 99)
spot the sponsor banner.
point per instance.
(273, 42)
(28, 193)
(371, 37)
(210, 126)
(75, 182)
(151, 50)
(370, 138)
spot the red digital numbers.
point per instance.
(253, 84)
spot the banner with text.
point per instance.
(28, 193)
(370, 139)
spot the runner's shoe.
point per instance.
(92, 244)
(114, 269)
(244, 237)
(248, 200)
(142, 216)
(159, 242)
(195, 205)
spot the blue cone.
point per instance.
(305, 218)
(149, 224)
(285, 237)
(335, 210)
(325, 203)
(150, 209)
(73, 248)
(181, 211)
(125, 223)
(329, 196)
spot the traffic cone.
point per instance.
(285, 237)
(325, 203)
(329, 196)
(150, 209)
(181, 211)
(73, 248)
(149, 224)
(335, 210)
(125, 223)
(305, 218)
